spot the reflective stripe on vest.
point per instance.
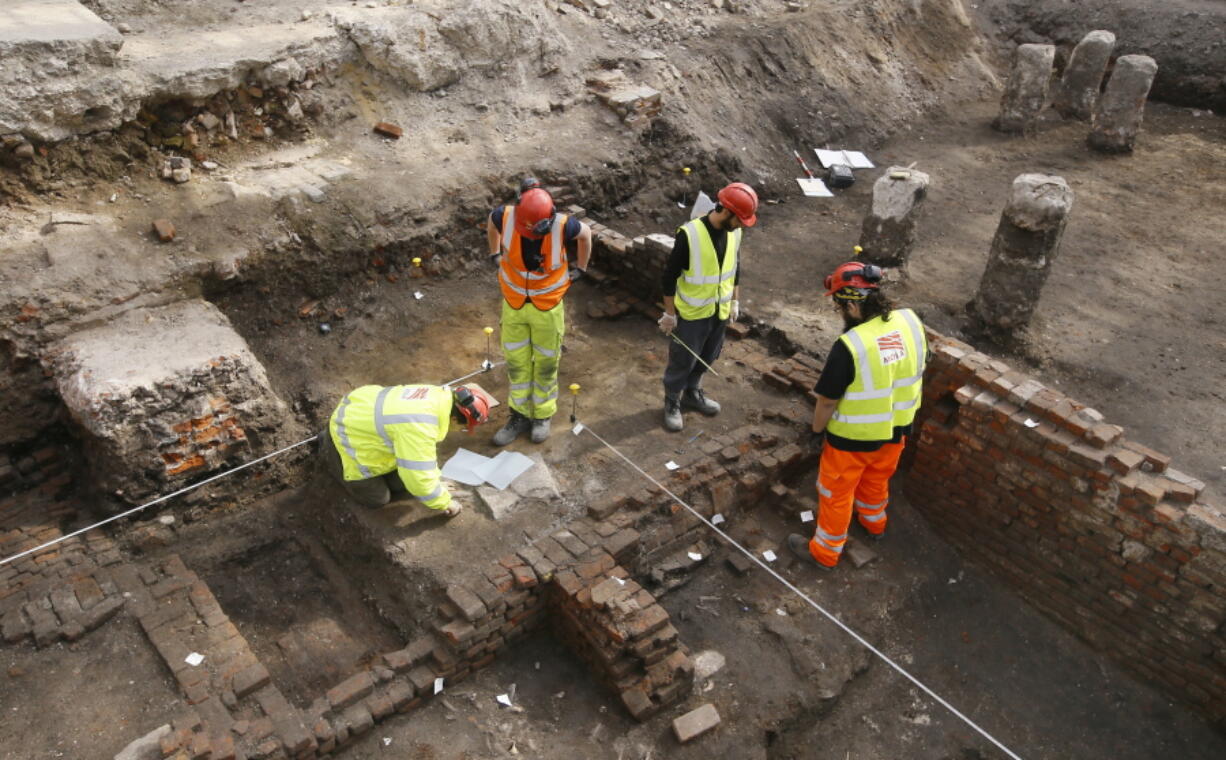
(545, 287)
(343, 434)
(706, 285)
(889, 369)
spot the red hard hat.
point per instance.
(853, 280)
(534, 213)
(473, 404)
(741, 200)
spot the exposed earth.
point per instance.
(324, 292)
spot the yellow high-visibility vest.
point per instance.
(378, 429)
(705, 285)
(885, 392)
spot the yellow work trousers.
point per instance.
(532, 348)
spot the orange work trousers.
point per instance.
(847, 479)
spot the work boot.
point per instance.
(800, 547)
(540, 430)
(695, 399)
(515, 426)
(672, 413)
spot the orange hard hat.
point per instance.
(534, 213)
(473, 404)
(852, 280)
(741, 200)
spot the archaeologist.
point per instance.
(701, 293)
(381, 440)
(529, 242)
(868, 394)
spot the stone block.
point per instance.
(695, 723)
(888, 231)
(1117, 119)
(1077, 94)
(164, 395)
(1026, 90)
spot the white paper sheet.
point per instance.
(769, 555)
(670, 464)
(695, 556)
(702, 204)
(464, 467)
(853, 158)
(806, 516)
(503, 699)
(438, 685)
(194, 659)
(814, 188)
(717, 519)
(503, 469)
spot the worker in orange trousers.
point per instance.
(868, 395)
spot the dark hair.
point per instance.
(876, 304)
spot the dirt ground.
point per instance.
(83, 700)
(1129, 322)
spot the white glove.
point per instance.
(667, 323)
(735, 312)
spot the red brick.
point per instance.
(164, 230)
(249, 679)
(1124, 461)
(350, 690)
(387, 129)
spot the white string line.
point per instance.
(158, 500)
(802, 595)
(194, 486)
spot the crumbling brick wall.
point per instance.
(1094, 529)
(637, 263)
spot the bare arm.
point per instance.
(493, 236)
(669, 305)
(822, 412)
(585, 246)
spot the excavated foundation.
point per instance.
(211, 234)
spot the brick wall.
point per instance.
(637, 263)
(1094, 529)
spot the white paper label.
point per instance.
(620, 582)
(768, 555)
(194, 659)
(503, 699)
(717, 519)
(806, 516)
(577, 429)
(1030, 423)
(670, 464)
(418, 295)
(695, 556)
(781, 612)
(438, 685)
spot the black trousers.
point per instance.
(706, 338)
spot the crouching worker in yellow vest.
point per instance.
(381, 440)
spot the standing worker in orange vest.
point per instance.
(701, 287)
(867, 397)
(528, 242)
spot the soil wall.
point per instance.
(1183, 36)
(1095, 530)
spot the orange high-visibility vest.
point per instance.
(545, 286)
